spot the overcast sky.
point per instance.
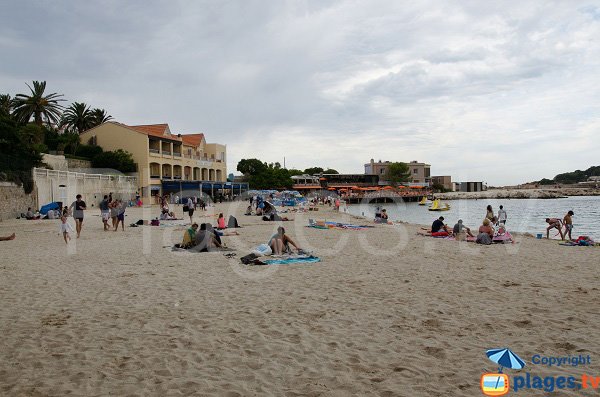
(502, 92)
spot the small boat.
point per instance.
(423, 201)
(436, 206)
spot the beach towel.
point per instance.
(292, 260)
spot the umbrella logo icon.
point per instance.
(497, 384)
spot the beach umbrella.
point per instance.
(505, 358)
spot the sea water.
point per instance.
(524, 215)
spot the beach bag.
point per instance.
(248, 259)
(483, 238)
(154, 222)
(186, 208)
(232, 223)
(262, 250)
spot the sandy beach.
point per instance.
(386, 312)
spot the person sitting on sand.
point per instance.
(460, 229)
(189, 237)
(568, 222)
(8, 238)
(221, 222)
(486, 233)
(554, 223)
(280, 242)
(249, 210)
(30, 215)
(205, 240)
(438, 228)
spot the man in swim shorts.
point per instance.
(554, 223)
(568, 222)
(78, 206)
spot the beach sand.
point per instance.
(386, 312)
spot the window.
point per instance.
(381, 171)
(415, 171)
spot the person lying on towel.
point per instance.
(280, 242)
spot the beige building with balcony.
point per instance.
(162, 156)
(420, 172)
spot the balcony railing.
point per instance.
(177, 177)
(167, 177)
(154, 176)
(166, 152)
(176, 154)
(154, 150)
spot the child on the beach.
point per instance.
(65, 228)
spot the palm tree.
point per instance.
(77, 116)
(100, 116)
(6, 104)
(38, 105)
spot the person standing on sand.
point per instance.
(78, 206)
(8, 238)
(104, 212)
(502, 216)
(554, 223)
(489, 213)
(190, 205)
(121, 206)
(568, 222)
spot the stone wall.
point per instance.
(14, 201)
(78, 164)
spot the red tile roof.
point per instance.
(192, 139)
(161, 130)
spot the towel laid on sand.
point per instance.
(292, 259)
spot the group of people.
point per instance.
(556, 223)
(113, 210)
(492, 226)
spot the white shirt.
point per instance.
(66, 227)
(190, 204)
(501, 215)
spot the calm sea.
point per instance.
(524, 215)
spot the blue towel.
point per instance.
(289, 261)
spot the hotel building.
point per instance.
(166, 162)
(420, 172)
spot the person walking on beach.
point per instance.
(66, 228)
(568, 222)
(554, 223)
(104, 212)
(502, 216)
(78, 206)
(190, 205)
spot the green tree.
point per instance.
(78, 117)
(398, 173)
(37, 105)
(251, 166)
(330, 171)
(19, 152)
(99, 116)
(6, 104)
(313, 170)
(293, 172)
(120, 160)
(546, 181)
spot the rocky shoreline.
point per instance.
(520, 194)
